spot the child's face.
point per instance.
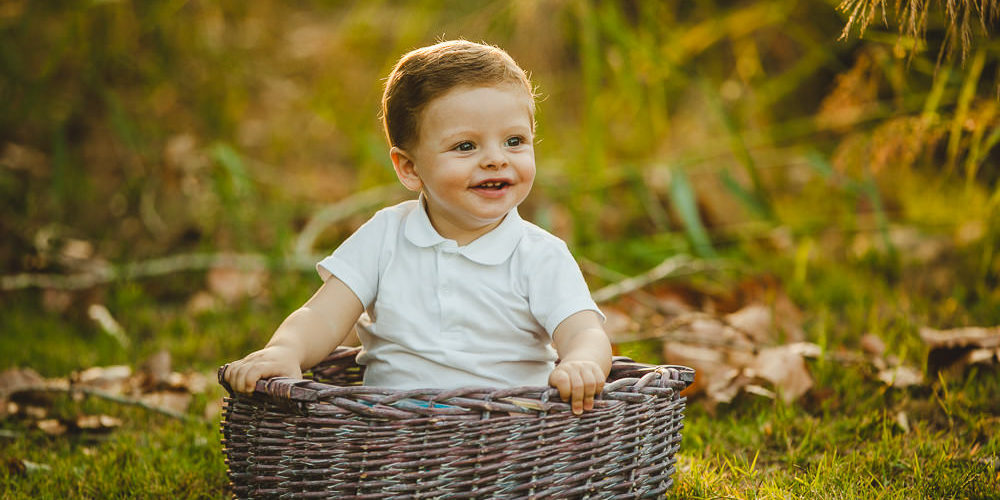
(473, 160)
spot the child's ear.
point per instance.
(406, 170)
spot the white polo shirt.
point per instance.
(448, 316)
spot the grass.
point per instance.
(843, 440)
(739, 130)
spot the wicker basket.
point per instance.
(330, 437)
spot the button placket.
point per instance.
(445, 257)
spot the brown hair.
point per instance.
(426, 73)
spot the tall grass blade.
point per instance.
(237, 180)
(964, 99)
(684, 201)
(739, 148)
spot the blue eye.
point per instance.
(465, 146)
(514, 141)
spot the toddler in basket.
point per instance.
(461, 291)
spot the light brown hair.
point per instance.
(429, 72)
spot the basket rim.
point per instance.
(629, 382)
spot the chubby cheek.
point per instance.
(528, 174)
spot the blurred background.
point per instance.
(181, 132)
(171, 170)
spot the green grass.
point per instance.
(665, 128)
(843, 440)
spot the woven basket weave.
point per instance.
(330, 437)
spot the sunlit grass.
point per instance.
(855, 175)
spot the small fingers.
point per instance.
(243, 375)
(576, 379)
(560, 380)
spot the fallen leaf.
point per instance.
(903, 422)
(236, 284)
(156, 370)
(901, 377)
(35, 412)
(202, 302)
(705, 329)
(52, 427)
(785, 368)
(873, 344)
(170, 400)
(17, 466)
(961, 337)
(756, 321)
(805, 349)
(111, 379)
(56, 301)
(760, 391)
(100, 423)
(15, 379)
(769, 324)
(954, 349)
(18, 157)
(193, 382)
(618, 323)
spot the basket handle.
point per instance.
(280, 388)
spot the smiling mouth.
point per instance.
(493, 185)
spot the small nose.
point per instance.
(493, 159)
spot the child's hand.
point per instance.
(578, 382)
(273, 361)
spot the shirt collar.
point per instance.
(490, 249)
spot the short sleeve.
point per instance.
(556, 288)
(356, 260)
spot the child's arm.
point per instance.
(585, 360)
(305, 337)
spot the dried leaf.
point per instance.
(156, 370)
(111, 379)
(708, 363)
(760, 391)
(704, 329)
(805, 349)
(170, 400)
(16, 466)
(100, 423)
(618, 323)
(756, 321)
(961, 337)
(785, 368)
(194, 383)
(777, 321)
(34, 412)
(234, 284)
(18, 157)
(873, 345)
(202, 302)
(52, 427)
(16, 379)
(903, 422)
(957, 348)
(56, 301)
(718, 372)
(901, 377)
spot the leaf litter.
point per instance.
(759, 348)
(27, 396)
